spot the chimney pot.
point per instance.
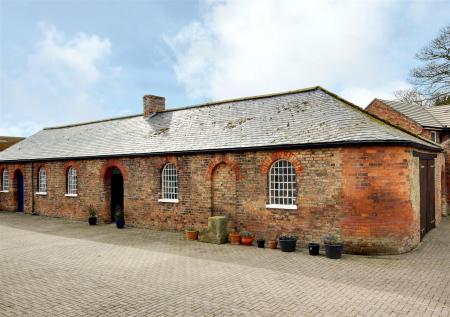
(153, 104)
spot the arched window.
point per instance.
(72, 181)
(5, 180)
(169, 183)
(42, 181)
(282, 185)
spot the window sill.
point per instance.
(71, 195)
(165, 200)
(41, 193)
(4, 191)
(274, 206)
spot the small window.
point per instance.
(169, 184)
(5, 180)
(282, 185)
(72, 181)
(433, 136)
(42, 181)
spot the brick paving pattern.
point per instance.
(57, 267)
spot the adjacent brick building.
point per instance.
(304, 162)
(432, 123)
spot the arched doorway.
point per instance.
(20, 190)
(116, 191)
(224, 192)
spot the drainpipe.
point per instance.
(32, 190)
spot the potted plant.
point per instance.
(288, 243)
(191, 234)
(260, 243)
(234, 237)
(333, 247)
(313, 248)
(120, 217)
(273, 244)
(246, 237)
(92, 216)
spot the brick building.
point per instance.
(303, 162)
(7, 141)
(432, 123)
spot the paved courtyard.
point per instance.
(56, 267)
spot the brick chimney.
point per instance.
(153, 104)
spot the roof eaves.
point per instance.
(436, 148)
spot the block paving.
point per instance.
(58, 267)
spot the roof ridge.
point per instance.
(213, 103)
(91, 122)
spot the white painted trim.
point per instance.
(165, 200)
(274, 206)
(41, 193)
(4, 191)
(71, 195)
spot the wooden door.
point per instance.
(427, 196)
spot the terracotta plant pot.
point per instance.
(247, 240)
(234, 238)
(273, 244)
(192, 234)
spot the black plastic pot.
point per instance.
(260, 243)
(92, 221)
(313, 248)
(120, 223)
(333, 251)
(288, 245)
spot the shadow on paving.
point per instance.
(431, 258)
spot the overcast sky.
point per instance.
(70, 61)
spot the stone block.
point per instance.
(216, 232)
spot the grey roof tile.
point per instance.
(441, 113)
(414, 111)
(311, 116)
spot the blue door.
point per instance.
(20, 191)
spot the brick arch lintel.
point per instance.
(281, 155)
(166, 160)
(70, 164)
(38, 168)
(223, 159)
(109, 165)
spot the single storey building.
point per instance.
(303, 162)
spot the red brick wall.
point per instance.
(363, 194)
(394, 117)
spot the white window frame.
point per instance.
(72, 182)
(282, 186)
(5, 180)
(434, 136)
(169, 184)
(42, 182)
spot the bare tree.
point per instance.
(412, 95)
(432, 80)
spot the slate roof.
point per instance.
(308, 117)
(414, 111)
(441, 113)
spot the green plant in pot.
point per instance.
(234, 237)
(120, 217)
(333, 246)
(246, 237)
(191, 233)
(92, 215)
